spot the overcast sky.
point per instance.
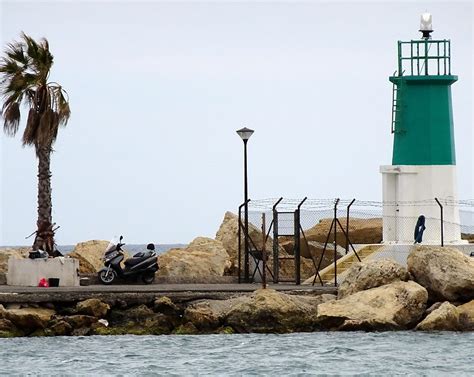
(157, 90)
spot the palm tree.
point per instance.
(24, 73)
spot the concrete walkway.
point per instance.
(145, 293)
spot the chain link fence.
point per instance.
(365, 222)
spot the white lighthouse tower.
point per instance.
(424, 160)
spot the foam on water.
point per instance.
(355, 353)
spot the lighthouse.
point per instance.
(424, 159)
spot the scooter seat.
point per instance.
(137, 258)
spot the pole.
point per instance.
(246, 218)
(297, 235)
(264, 253)
(347, 225)
(442, 222)
(335, 242)
(275, 242)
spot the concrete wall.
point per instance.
(408, 192)
(28, 272)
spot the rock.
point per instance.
(445, 272)
(80, 320)
(60, 328)
(28, 319)
(444, 318)
(287, 269)
(187, 329)
(139, 320)
(365, 275)
(228, 235)
(361, 231)
(90, 255)
(93, 307)
(8, 329)
(398, 305)
(81, 331)
(466, 316)
(268, 311)
(5, 254)
(6, 325)
(469, 237)
(313, 249)
(202, 259)
(167, 307)
(433, 307)
(207, 315)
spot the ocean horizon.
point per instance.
(130, 248)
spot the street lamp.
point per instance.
(245, 134)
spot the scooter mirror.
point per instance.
(121, 238)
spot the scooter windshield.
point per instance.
(112, 244)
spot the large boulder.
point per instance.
(203, 259)
(7, 253)
(361, 231)
(398, 305)
(366, 275)
(267, 310)
(208, 315)
(466, 316)
(28, 319)
(228, 235)
(93, 307)
(444, 318)
(90, 255)
(139, 320)
(445, 272)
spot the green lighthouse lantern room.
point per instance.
(423, 159)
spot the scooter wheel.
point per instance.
(107, 277)
(148, 278)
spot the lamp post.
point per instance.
(245, 134)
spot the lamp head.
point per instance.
(245, 133)
(426, 25)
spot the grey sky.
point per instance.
(158, 89)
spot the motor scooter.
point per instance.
(142, 265)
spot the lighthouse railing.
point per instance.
(424, 57)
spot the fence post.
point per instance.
(297, 248)
(442, 222)
(275, 241)
(264, 253)
(239, 234)
(347, 225)
(335, 241)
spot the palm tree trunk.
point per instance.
(44, 184)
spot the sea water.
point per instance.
(319, 353)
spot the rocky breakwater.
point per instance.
(435, 292)
(265, 311)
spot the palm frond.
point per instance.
(24, 71)
(11, 117)
(15, 51)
